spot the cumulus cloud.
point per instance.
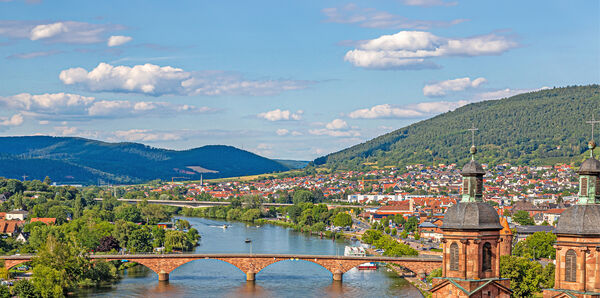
(15, 120)
(335, 128)
(57, 32)
(65, 105)
(337, 124)
(442, 88)
(371, 18)
(411, 111)
(415, 49)
(117, 40)
(155, 80)
(282, 132)
(429, 3)
(281, 115)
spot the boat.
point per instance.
(367, 266)
(225, 227)
(247, 240)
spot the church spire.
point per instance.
(472, 172)
(589, 174)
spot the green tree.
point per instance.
(342, 220)
(302, 196)
(526, 277)
(411, 224)
(128, 212)
(538, 245)
(522, 217)
(48, 281)
(25, 289)
(140, 240)
(4, 292)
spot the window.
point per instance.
(465, 187)
(487, 257)
(454, 256)
(584, 186)
(571, 266)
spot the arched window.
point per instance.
(571, 266)
(487, 257)
(454, 256)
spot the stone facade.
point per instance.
(586, 283)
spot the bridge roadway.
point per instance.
(204, 204)
(251, 264)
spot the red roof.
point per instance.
(46, 220)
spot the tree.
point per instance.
(4, 292)
(411, 224)
(25, 289)
(342, 220)
(302, 196)
(251, 215)
(522, 217)
(128, 212)
(108, 243)
(183, 224)
(526, 277)
(140, 240)
(47, 180)
(48, 281)
(538, 245)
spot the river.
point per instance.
(214, 278)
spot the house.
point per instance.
(50, 221)
(166, 225)
(429, 230)
(10, 227)
(23, 237)
(16, 215)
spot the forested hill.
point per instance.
(542, 127)
(84, 161)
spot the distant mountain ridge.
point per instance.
(84, 161)
(542, 127)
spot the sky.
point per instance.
(283, 79)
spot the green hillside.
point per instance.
(83, 161)
(542, 127)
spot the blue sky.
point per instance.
(284, 79)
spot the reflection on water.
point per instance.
(214, 278)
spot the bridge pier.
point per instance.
(250, 276)
(163, 276)
(338, 276)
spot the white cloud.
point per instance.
(282, 132)
(15, 120)
(442, 88)
(497, 94)
(371, 18)
(281, 115)
(47, 30)
(414, 49)
(57, 32)
(428, 3)
(156, 80)
(335, 128)
(137, 135)
(117, 40)
(31, 55)
(411, 111)
(337, 124)
(64, 105)
(44, 122)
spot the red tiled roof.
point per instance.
(46, 220)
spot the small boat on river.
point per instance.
(247, 240)
(367, 266)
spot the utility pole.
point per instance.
(24, 177)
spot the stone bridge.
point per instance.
(251, 264)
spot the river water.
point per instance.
(214, 278)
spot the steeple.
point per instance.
(589, 174)
(472, 172)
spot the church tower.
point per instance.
(578, 237)
(471, 243)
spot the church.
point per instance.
(474, 238)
